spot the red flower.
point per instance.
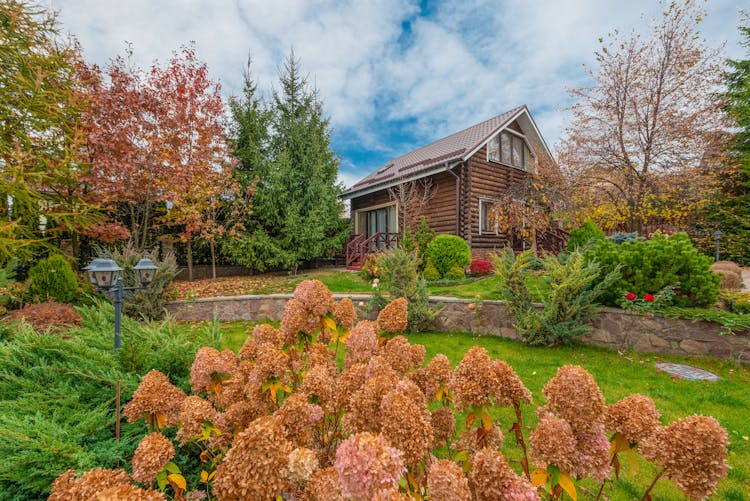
(649, 298)
(630, 296)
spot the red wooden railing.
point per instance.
(360, 247)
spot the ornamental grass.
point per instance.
(282, 420)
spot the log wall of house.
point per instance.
(486, 181)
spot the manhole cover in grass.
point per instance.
(687, 372)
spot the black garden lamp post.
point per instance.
(105, 275)
(717, 236)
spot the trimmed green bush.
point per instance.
(431, 274)
(149, 303)
(649, 266)
(447, 251)
(455, 273)
(581, 236)
(52, 279)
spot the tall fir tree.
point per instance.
(285, 152)
(729, 211)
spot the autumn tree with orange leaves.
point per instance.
(638, 140)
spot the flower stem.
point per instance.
(520, 441)
(645, 494)
(601, 487)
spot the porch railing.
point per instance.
(360, 247)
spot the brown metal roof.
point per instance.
(449, 149)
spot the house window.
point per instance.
(510, 149)
(487, 218)
(381, 219)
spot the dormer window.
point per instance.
(510, 149)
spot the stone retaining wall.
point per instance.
(615, 328)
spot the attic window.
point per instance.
(509, 149)
(384, 169)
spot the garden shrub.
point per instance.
(149, 303)
(737, 302)
(369, 268)
(45, 316)
(480, 267)
(431, 274)
(423, 236)
(52, 279)
(399, 276)
(651, 265)
(455, 273)
(567, 313)
(447, 251)
(12, 295)
(622, 237)
(585, 234)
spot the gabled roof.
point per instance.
(441, 155)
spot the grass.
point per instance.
(618, 375)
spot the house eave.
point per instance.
(384, 186)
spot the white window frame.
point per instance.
(483, 203)
(526, 146)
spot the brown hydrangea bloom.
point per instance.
(574, 396)
(474, 380)
(252, 468)
(151, 455)
(302, 464)
(194, 414)
(68, 488)
(247, 352)
(394, 317)
(443, 426)
(297, 319)
(238, 416)
(155, 395)
(398, 351)
(209, 361)
(635, 417)
(403, 423)
(431, 377)
(362, 343)
(318, 354)
(553, 442)
(232, 390)
(364, 406)
(446, 482)
(299, 419)
(368, 467)
(510, 388)
(259, 401)
(270, 361)
(693, 451)
(324, 485)
(592, 454)
(379, 366)
(345, 314)
(315, 297)
(474, 440)
(318, 385)
(495, 480)
(324, 337)
(129, 493)
(264, 333)
(347, 385)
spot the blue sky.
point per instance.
(393, 74)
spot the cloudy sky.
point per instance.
(393, 74)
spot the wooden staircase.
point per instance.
(360, 247)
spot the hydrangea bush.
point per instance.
(283, 420)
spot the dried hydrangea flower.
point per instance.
(394, 317)
(252, 468)
(433, 376)
(324, 485)
(69, 488)
(299, 419)
(209, 361)
(510, 389)
(247, 352)
(258, 399)
(475, 439)
(379, 366)
(238, 416)
(232, 390)
(399, 353)
(270, 362)
(368, 466)
(296, 319)
(318, 385)
(443, 426)
(446, 482)
(635, 417)
(592, 457)
(315, 297)
(155, 395)
(553, 442)
(151, 455)
(364, 406)
(128, 493)
(318, 354)
(345, 314)
(693, 451)
(63, 486)
(362, 343)
(574, 396)
(403, 422)
(302, 464)
(264, 333)
(347, 385)
(495, 480)
(195, 413)
(474, 380)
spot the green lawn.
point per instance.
(618, 375)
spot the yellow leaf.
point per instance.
(177, 480)
(329, 323)
(538, 477)
(204, 476)
(486, 420)
(211, 476)
(633, 462)
(160, 420)
(618, 444)
(567, 484)
(470, 419)
(344, 335)
(439, 394)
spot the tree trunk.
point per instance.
(190, 259)
(212, 244)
